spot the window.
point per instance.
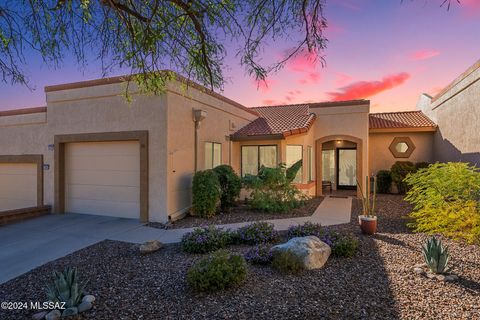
(253, 157)
(310, 163)
(402, 147)
(213, 155)
(328, 166)
(294, 154)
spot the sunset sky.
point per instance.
(386, 51)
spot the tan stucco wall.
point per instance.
(216, 127)
(457, 114)
(380, 157)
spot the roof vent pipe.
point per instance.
(198, 116)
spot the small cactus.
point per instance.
(66, 288)
(436, 255)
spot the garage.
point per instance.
(18, 186)
(103, 178)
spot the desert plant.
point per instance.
(66, 287)
(256, 233)
(306, 229)
(400, 171)
(230, 185)
(421, 165)
(206, 193)
(203, 240)
(446, 199)
(286, 261)
(384, 181)
(344, 246)
(219, 271)
(368, 203)
(260, 254)
(272, 189)
(436, 255)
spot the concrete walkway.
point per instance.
(29, 244)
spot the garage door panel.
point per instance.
(106, 178)
(108, 193)
(103, 178)
(18, 185)
(106, 208)
(103, 163)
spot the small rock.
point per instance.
(420, 265)
(70, 312)
(418, 270)
(451, 277)
(150, 246)
(431, 275)
(441, 277)
(39, 315)
(53, 315)
(88, 298)
(84, 306)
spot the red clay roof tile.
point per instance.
(405, 119)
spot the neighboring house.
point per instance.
(456, 110)
(89, 151)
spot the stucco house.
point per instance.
(90, 151)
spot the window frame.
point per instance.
(258, 154)
(301, 170)
(213, 143)
(310, 164)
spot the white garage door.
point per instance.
(18, 185)
(103, 178)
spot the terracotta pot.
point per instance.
(368, 225)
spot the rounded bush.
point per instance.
(219, 271)
(286, 261)
(304, 230)
(345, 247)
(384, 181)
(230, 185)
(203, 240)
(206, 193)
(399, 171)
(260, 254)
(256, 233)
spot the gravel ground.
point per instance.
(240, 213)
(375, 284)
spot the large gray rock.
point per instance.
(150, 246)
(311, 250)
(53, 315)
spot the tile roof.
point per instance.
(405, 119)
(277, 122)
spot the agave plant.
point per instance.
(66, 288)
(436, 255)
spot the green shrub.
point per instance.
(384, 181)
(446, 200)
(272, 189)
(345, 246)
(260, 254)
(399, 171)
(219, 271)
(306, 229)
(287, 261)
(206, 193)
(421, 165)
(203, 240)
(230, 185)
(257, 233)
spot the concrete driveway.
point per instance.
(28, 244)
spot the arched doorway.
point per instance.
(345, 162)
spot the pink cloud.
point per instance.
(264, 85)
(342, 79)
(365, 89)
(470, 8)
(424, 54)
(268, 102)
(303, 62)
(292, 95)
(312, 77)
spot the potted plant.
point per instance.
(368, 220)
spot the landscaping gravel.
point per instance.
(241, 213)
(378, 283)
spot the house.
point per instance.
(90, 151)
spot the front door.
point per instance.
(346, 168)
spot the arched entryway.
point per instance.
(342, 147)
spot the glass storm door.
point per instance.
(346, 168)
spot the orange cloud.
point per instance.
(264, 85)
(364, 89)
(424, 54)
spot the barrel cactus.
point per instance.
(66, 288)
(436, 255)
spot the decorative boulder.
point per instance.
(150, 246)
(311, 251)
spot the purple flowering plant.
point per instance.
(260, 254)
(257, 233)
(205, 239)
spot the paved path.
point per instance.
(29, 244)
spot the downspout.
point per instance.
(198, 116)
